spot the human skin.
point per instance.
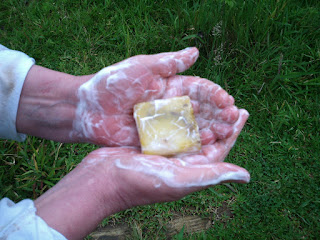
(109, 180)
(98, 108)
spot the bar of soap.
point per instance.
(167, 126)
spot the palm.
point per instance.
(143, 179)
(104, 115)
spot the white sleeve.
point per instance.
(14, 67)
(20, 222)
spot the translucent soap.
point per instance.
(167, 126)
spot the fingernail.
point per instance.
(239, 176)
(244, 112)
(187, 49)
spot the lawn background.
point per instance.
(264, 53)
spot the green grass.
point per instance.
(265, 53)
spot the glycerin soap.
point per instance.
(167, 126)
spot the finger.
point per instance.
(221, 130)
(207, 137)
(218, 150)
(238, 126)
(224, 146)
(229, 114)
(171, 63)
(210, 174)
(205, 91)
(177, 174)
(210, 131)
(200, 90)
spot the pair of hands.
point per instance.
(104, 116)
(118, 177)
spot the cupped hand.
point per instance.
(143, 179)
(109, 180)
(104, 114)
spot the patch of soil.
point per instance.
(191, 224)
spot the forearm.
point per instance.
(77, 204)
(48, 103)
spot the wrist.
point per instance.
(47, 104)
(76, 205)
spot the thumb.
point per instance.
(211, 174)
(171, 63)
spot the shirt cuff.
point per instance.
(14, 67)
(19, 221)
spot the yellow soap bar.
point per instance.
(167, 126)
